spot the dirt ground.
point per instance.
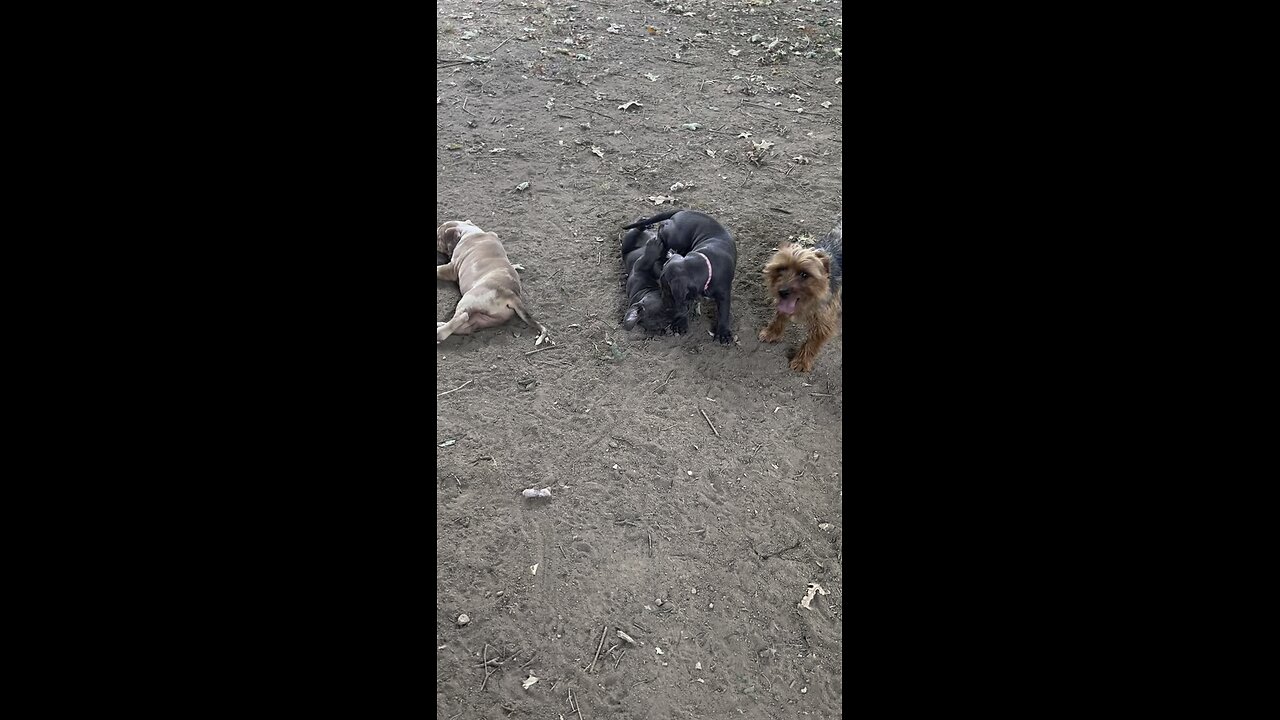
(699, 546)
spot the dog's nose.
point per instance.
(784, 292)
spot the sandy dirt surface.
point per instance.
(699, 546)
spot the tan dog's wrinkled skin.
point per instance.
(489, 284)
(799, 280)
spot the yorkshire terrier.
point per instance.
(806, 284)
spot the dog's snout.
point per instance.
(784, 292)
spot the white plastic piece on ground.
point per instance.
(808, 596)
(535, 572)
(535, 492)
(530, 681)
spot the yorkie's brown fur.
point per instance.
(805, 284)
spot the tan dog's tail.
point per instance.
(517, 303)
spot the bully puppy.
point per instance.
(806, 283)
(702, 265)
(489, 284)
(642, 259)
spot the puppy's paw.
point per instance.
(770, 335)
(724, 335)
(800, 363)
(438, 323)
(517, 266)
(680, 326)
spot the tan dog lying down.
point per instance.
(489, 284)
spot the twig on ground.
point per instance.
(664, 382)
(575, 107)
(456, 389)
(504, 42)
(603, 631)
(682, 62)
(487, 673)
(575, 706)
(553, 347)
(463, 62)
(822, 394)
(781, 210)
(713, 427)
(615, 662)
(779, 107)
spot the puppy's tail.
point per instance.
(655, 219)
(517, 303)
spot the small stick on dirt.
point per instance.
(780, 210)
(682, 62)
(464, 62)
(664, 382)
(530, 660)
(566, 557)
(615, 663)
(713, 427)
(456, 389)
(650, 545)
(504, 42)
(531, 352)
(822, 394)
(575, 107)
(455, 479)
(482, 457)
(603, 631)
(486, 670)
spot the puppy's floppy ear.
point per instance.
(825, 259)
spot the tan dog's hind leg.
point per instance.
(773, 333)
(821, 327)
(457, 325)
(447, 272)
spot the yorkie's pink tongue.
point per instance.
(788, 306)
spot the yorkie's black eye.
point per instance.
(804, 275)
